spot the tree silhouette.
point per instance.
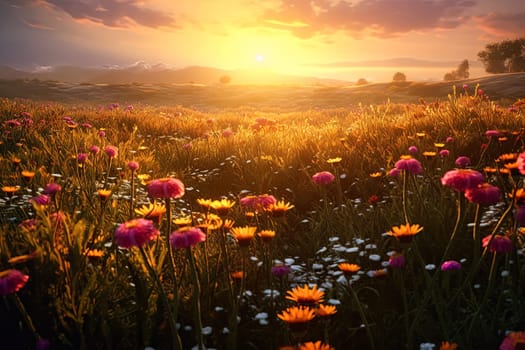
(504, 57)
(399, 77)
(460, 73)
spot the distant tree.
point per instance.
(399, 77)
(504, 57)
(361, 81)
(225, 79)
(460, 73)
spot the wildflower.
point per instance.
(405, 233)
(94, 149)
(280, 208)
(167, 187)
(349, 269)
(484, 194)
(10, 190)
(205, 203)
(448, 346)
(28, 175)
(266, 235)
(449, 139)
(397, 261)
(439, 145)
(376, 175)
(318, 345)
(429, 154)
(133, 166)
(143, 178)
(227, 132)
(11, 281)
(266, 201)
(498, 244)
(297, 317)
(86, 125)
(280, 270)
(237, 275)
(81, 158)
(305, 295)
(410, 165)
(450, 265)
(373, 199)
(513, 341)
(325, 310)
(379, 273)
(462, 161)
(104, 194)
(323, 178)
(491, 133)
(462, 179)
(394, 172)
(153, 211)
(244, 235)
(52, 188)
(222, 206)
(16, 161)
(43, 199)
(444, 153)
(521, 163)
(101, 133)
(111, 151)
(413, 150)
(184, 221)
(186, 237)
(135, 233)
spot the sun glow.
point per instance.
(259, 58)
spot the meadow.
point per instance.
(386, 224)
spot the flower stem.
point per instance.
(196, 299)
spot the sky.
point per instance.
(323, 38)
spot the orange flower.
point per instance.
(305, 295)
(28, 175)
(266, 235)
(104, 194)
(325, 310)
(10, 190)
(222, 206)
(448, 346)
(349, 269)
(297, 315)
(244, 235)
(280, 208)
(318, 345)
(405, 233)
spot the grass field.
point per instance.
(384, 216)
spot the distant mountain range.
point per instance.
(157, 74)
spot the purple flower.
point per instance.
(186, 237)
(498, 244)
(135, 233)
(101, 133)
(396, 261)
(280, 270)
(450, 265)
(323, 178)
(41, 200)
(11, 281)
(462, 161)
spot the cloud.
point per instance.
(507, 25)
(110, 13)
(380, 18)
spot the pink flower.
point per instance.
(484, 194)
(94, 149)
(167, 187)
(323, 178)
(82, 157)
(450, 265)
(449, 139)
(227, 133)
(52, 188)
(411, 165)
(135, 233)
(186, 237)
(461, 180)
(86, 125)
(111, 151)
(444, 153)
(267, 200)
(11, 281)
(499, 244)
(132, 165)
(397, 261)
(462, 161)
(394, 172)
(413, 150)
(101, 133)
(491, 133)
(521, 163)
(42, 199)
(513, 341)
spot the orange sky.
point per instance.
(326, 38)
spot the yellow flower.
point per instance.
(349, 269)
(405, 233)
(429, 154)
(318, 345)
(244, 235)
(228, 224)
(143, 178)
(222, 206)
(439, 145)
(183, 221)
(421, 134)
(104, 194)
(153, 211)
(205, 203)
(334, 160)
(405, 156)
(305, 295)
(325, 310)
(266, 235)
(376, 175)
(280, 208)
(297, 314)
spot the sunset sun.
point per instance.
(259, 58)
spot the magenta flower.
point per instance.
(484, 194)
(499, 244)
(167, 187)
(444, 153)
(462, 161)
(186, 237)
(101, 133)
(43, 199)
(135, 233)
(82, 157)
(513, 341)
(413, 150)
(521, 163)
(132, 165)
(111, 151)
(410, 165)
(461, 180)
(227, 133)
(266, 200)
(323, 178)
(280, 270)
(450, 265)
(86, 125)
(394, 172)
(396, 261)
(449, 139)
(11, 281)
(94, 149)
(52, 188)
(491, 133)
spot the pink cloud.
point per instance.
(110, 13)
(381, 18)
(506, 25)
